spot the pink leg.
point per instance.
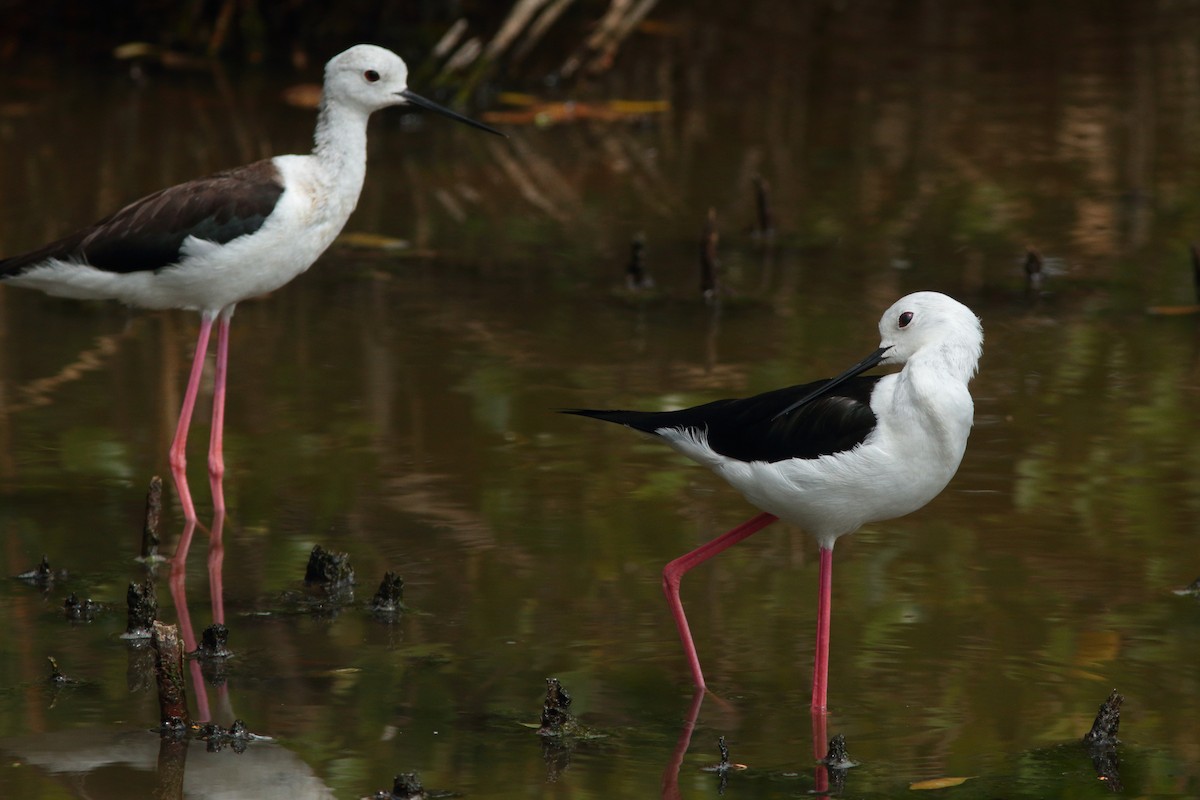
(216, 456)
(824, 599)
(674, 571)
(178, 454)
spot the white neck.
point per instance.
(340, 150)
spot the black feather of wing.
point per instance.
(148, 234)
(745, 429)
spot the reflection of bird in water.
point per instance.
(208, 244)
(833, 455)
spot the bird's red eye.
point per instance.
(905, 318)
(371, 76)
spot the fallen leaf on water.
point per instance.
(1171, 311)
(938, 783)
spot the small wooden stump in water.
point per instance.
(636, 276)
(389, 597)
(41, 575)
(214, 643)
(1108, 721)
(1101, 742)
(331, 570)
(405, 786)
(143, 608)
(762, 200)
(80, 609)
(556, 718)
(168, 668)
(1034, 276)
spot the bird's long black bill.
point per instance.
(857, 369)
(420, 102)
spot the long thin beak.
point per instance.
(858, 368)
(420, 102)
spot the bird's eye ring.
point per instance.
(906, 318)
(371, 76)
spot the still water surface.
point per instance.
(400, 408)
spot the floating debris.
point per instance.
(172, 688)
(1108, 721)
(938, 783)
(150, 538)
(331, 570)
(389, 597)
(80, 610)
(143, 609)
(41, 575)
(543, 115)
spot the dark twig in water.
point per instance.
(636, 276)
(389, 597)
(56, 675)
(150, 538)
(143, 609)
(1034, 274)
(172, 689)
(762, 201)
(709, 239)
(1195, 251)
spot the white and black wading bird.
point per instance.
(210, 243)
(833, 455)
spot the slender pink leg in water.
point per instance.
(674, 571)
(178, 454)
(216, 441)
(824, 599)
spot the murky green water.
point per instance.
(401, 409)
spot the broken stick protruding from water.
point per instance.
(153, 515)
(168, 669)
(143, 608)
(405, 786)
(1034, 274)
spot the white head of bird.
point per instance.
(930, 324)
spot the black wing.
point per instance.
(148, 233)
(746, 429)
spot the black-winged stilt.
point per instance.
(210, 243)
(833, 455)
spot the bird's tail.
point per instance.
(645, 421)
